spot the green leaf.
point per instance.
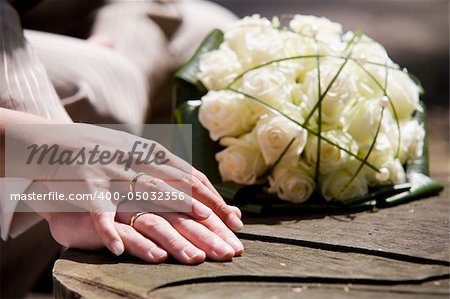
(189, 71)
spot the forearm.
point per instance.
(11, 117)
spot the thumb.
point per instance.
(104, 225)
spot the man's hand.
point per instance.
(153, 237)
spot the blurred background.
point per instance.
(414, 32)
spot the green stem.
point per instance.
(319, 128)
(283, 153)
(352, 42)
(271, 167)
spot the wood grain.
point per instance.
(262, 262)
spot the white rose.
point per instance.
(397, 173)
(254, 40)
(363, 119)
(338, 98)
(296, 45)
(292, 181)
(225, 113)
(403, 92)
(368, 50)
(268, 84)
(321, 28)
(241, 161)
(383, 157)
(412, 138)
(218, 68)
(391, 170)
(332, 184)
(274, 134)
(331, 157)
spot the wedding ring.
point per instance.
(136, 216)
(135, 179)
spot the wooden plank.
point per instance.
(417, 229)
(263, 261)
(289, 290)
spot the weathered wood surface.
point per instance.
(263, 264)
(387, 231)
(291, 290)
(400, 252)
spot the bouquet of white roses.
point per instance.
(304, 108)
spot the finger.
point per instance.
(214, 224)
(162, 232)
(139, 246)
(104, 225)
(237, 211)
(202, 189)
(224, 211)
(178, 163)
(162, 194)
(205, 180)
(213, 245)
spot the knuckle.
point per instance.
(181, 221)
(127, 230)
(202, 177)
(176, 243)
(221, 229)
(220, 207)
(150, 221)
(187, 178)
(209, 239)
(197, 184)
(141, 245)
(152, 182)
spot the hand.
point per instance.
(186, 239)
(154, 236)
(98, 178)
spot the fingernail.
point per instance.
(202, 210)
(158, 253)
(234, 222)
(236, 244)
(194, 255)
(117, 248)
(222, 249)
